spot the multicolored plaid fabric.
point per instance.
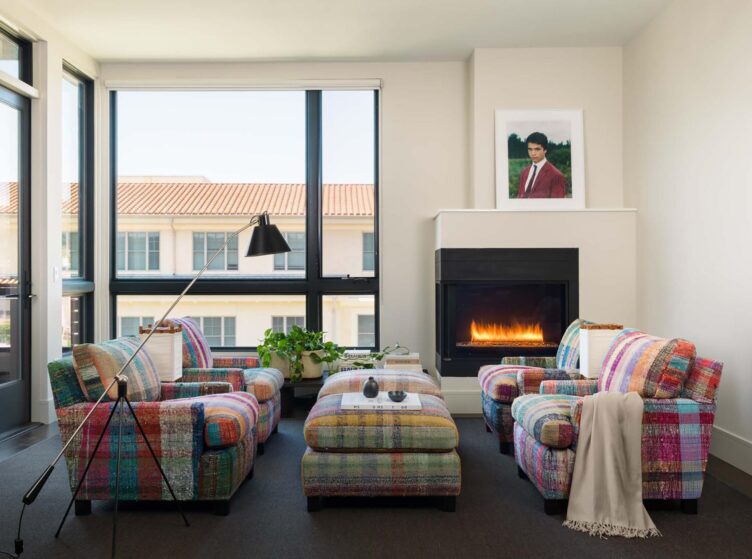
(500, 381)
(222, 471)
(675, 444)
(498, 416)
(549, 469)
(528, 382)
(542, 362)
(388, 379)
(66, 390)
(270, 412)
(582, 387)
(652, 367)
(229, 418)
(222, 362)
(703, 380)
(175, 430)
(329, 427)
(372, 474)
(568, 354)
(196, 351)
(546, 417)
(177, 390)
(97, 364)
(263, 383)
(234, 376)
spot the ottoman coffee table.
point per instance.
(380, 453)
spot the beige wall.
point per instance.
(688, 136)
(553, 78)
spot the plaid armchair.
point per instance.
(679, 406)
(203, 436)
(515, 376)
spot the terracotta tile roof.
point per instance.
(201, 198)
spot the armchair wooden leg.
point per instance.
(315, 503)
(689, 506)
(449, 503)
(488, 429)
(260, 449)
(83, 508)
(250, 475)
(506, 448)
(554, 506)
(521, 473)
(222, 508)
(276, 428)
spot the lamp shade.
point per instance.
(266, 239)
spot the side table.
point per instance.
(287, 391)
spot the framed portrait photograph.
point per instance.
(540, 160)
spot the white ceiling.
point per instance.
(336, 29)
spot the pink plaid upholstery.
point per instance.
(703, 380)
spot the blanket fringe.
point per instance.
(602, 529)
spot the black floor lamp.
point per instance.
(266, 239)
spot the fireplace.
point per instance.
(492, 303)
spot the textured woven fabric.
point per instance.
(528, 382)
(66, 390)
(196, 351)
(582, 387)
(500, 381)
(380, 474)
(175, 431)
(352, 381)
(652, 367)
(176, 390)
(549, 469)
(263, 383)
(270, 412)
(703, 380)
(329, 427)
(542, 362)
(221, 362)
(222, 471)
(234, 376)
(568, 354)
(498, 416)
(546, 418)
(229, 418)
(97, 364)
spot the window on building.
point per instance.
(71, 251)
(138, 252)
(369, 253)
(285, 323)
(129, 324)
(206, 244)
(295, 259)
(366, 330)
(218, 330)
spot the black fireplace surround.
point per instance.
(483, 293)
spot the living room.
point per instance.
(373, 135)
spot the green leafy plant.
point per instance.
(293, 345)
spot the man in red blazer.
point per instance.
(540, 179)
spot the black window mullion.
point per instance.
(313, 210)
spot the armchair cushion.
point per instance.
(229, 418)
(97, 364)
(568, 354)
(546, 362)
(177, 390)
(703, 380)
(499, 382)
(235, 362)
(196, 350)
(264, 383)
(529, 381)
(652, 367)
(546, 417)
(581, 387)
(232, 375)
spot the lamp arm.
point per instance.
(32, 493)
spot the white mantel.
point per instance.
(607, 243)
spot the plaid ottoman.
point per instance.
(370, 453)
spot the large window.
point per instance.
(195, 166)
(219, 330)
(78, 209)
(138, 251)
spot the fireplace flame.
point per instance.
(502, 333)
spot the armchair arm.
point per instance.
(529, 380)
(577, 387)
(175, 430)
(178, 390)
(543, 362)
(248, 362)
(232, 375)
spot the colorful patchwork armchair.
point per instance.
(203, 434)
(515, 376)
(678, 391)
(243, 373)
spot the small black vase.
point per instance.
(370, 388)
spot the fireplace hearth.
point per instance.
(492, 303)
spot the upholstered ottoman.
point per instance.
(374, 453)
(388, 379)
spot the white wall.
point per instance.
(553, 78)
(688, 138)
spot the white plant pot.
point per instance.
(281, 364)
(310, 368)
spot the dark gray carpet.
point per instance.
(497, 515)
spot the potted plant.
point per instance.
(371, 360)
(298, 354)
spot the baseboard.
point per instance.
(462, 395)
(732, 448)
(43, 411)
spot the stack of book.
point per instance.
(406, 362)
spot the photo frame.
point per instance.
(555, 135)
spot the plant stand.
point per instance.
(287, 392)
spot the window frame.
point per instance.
(207, 254)
(313, 285)
(148, 235)
(82, 287)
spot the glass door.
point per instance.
(15, 296)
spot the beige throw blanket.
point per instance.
(606, 494)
